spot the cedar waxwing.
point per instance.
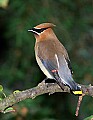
(53, 58)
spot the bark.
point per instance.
(42, 88)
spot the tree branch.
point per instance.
(42, 88)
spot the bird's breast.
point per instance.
(42, 67)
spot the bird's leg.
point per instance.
(47, 80)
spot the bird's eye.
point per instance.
(39, 30)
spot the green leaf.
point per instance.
(4, 3)
(16, 91)
(0, 99)
(89, 118)
(10, 109)
(1, 88)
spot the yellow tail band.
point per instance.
(77, 92)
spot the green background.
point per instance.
(18, 67)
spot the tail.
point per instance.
(74, 87)
(68, 80)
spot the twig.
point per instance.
(79, 103)
(42, 88)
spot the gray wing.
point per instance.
(65, 73)
(59, 70)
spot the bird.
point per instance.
(52, 57)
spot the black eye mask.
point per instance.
(39, 30)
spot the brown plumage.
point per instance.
(52, 57)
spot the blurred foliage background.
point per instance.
(18, 67)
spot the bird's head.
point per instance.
(42, 31)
